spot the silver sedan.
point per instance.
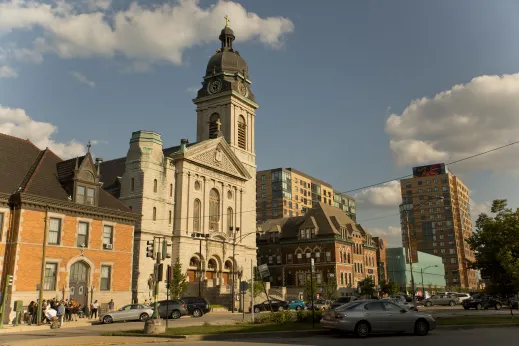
(131, 312)
(363, 317)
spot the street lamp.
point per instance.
(200, 236)
(421, 272)
(240, 274)
(409, 251)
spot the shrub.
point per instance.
(288, 317)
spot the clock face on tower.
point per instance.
(242, 89)
(214, 87)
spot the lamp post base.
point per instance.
(154, 327)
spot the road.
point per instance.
(479, 337)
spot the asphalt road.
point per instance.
(478, 337)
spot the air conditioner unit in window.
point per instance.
(107, 246)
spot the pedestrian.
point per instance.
(93, 309)
(61, 313)
(111, 305)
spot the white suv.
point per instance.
(462, 296)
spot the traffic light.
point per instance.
(165, 250)
(160, 271)
(150, 249)
(169, 274)
(9, 280)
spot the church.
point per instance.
(200, 196)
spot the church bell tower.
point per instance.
(225, 103)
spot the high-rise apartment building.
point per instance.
(435, 207)
(286, 192)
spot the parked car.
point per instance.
(130, 312)
(482, 301)
(442, 299)
(172, 309)
(320, 304)
(196, 306)
(364, 317)
(296, 304)
(343, 300)
(462, 296)
(277, 305)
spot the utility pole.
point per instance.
(252, 290)
(42, 271)
(233, 270)
(410, 256)
(312, 270)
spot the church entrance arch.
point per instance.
(78, 282)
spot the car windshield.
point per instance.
(348, 306)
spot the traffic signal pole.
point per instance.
(157, 249)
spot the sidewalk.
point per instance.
(82, 322)
(90, 340)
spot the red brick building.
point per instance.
(342, 250)
(89, 240)
(381, 258)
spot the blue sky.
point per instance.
(327, 76)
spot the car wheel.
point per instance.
(421, 328)
(280, 309)
(197, 313)
(362, 329)
(175, 314)
(452, 303)
(466, 307)
(498, 306)
(143, 317)
(479, 306)
(107, 319)
(428, 304)
(257, 310)
(298, 308)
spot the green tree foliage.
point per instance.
(178, 282)
(496, 247)
(310, 288)
(330, 289)
(367, 286)
(389, 287)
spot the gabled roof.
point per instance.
(25, 168)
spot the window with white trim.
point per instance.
(106, 273)
(82, 234)
(50, 276)
(108, 235)
(54, 235)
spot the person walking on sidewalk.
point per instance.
(93, 309)
(111, 305)
(61, 313)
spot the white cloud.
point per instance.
(7, 72)
(98, 142)
(15, 122)
(82, 79)
(385, 195)
(460, 122)
(149, 33)
(479, 208)
(392, 235)
(192, 90)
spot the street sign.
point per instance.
(244, 286)
(313, 265)
(264, 271)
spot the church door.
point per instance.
(78, 282)
(226, 276)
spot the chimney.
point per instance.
(99, 160)
(183, 145)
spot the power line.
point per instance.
(362, 188)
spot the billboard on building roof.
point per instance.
(429, 170)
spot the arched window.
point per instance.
(214, 210)
(214, 123)
(230, 217)
(170, 217)
(197, 215)
(155, 185)
(242, 133)
(132, 184)
(154, 214)
(170, 190)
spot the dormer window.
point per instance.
(85, 195)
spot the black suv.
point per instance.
(196, 306)
(343, 300)
(482, 301)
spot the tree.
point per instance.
(178, 282)
(496, 247)
(330, 289)
(310, 288)
(394, 288)
(257, 289)
(367, 286)
(385, 287)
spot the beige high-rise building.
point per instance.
(286, 192)
(436, 204)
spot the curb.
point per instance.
(474, 326)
